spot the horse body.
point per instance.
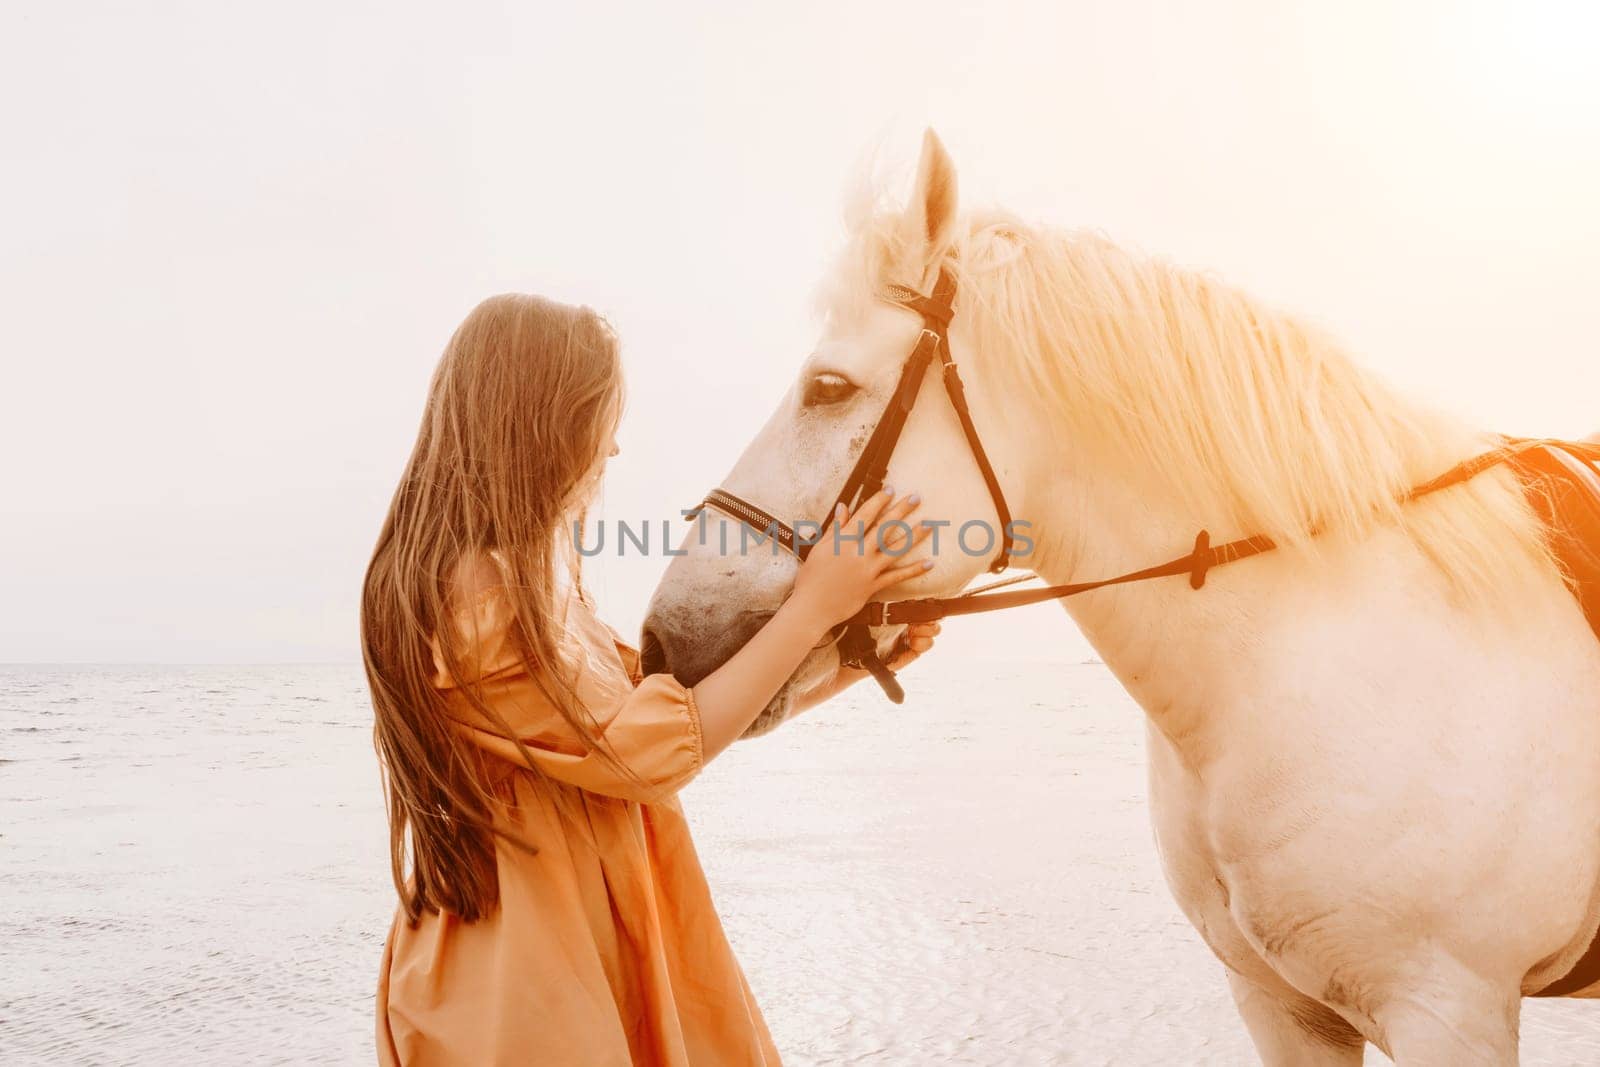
(1369, 801)
(1374, 754)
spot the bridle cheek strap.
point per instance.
(958, 400)
(856, 645)
(872, 466)
(866, 478)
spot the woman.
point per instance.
(552, 909)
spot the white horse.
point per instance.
(1374, 754)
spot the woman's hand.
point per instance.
(833, 584)
(858, 557)
(916, 640)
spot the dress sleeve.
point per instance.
(630, 656)
(653, 733)
(650, 725)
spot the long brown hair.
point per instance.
(519, 421)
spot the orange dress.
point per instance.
(602, 952)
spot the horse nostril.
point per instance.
(652, 657)
(689, 655)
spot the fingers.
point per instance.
(883, 506)
(919, 636)
(896, 545)
(912, 642)
(899, 509)
(891, 532)
(881, 521)
(873, 507)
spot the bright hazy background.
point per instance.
(236, 239)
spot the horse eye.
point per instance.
(827, 388)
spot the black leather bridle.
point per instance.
(855, 643)
(854, 636)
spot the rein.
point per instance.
(1196, 563)
(854, 639)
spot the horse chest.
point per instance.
(1195, 873)
(1252, 862)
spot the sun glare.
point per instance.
(1530, 64)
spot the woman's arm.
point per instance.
(832, 585)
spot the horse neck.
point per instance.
(1190, 657)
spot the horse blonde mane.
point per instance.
(1246, 417)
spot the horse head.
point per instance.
(723, 589)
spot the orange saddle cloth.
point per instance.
(1563, 484)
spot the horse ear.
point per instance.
(930, 218)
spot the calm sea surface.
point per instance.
(192, 861)
(193, 869)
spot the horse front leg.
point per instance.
(1293, 1030)
(1451, 1017)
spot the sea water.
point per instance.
(193, 863)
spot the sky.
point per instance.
(236, 240)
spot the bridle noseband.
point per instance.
(856, 645)
(854, 636)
